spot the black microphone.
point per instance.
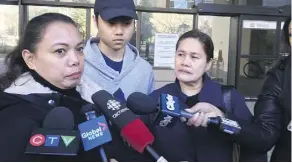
(142, 104)
(57, 136)
(169, 107)
(132, 129)
(99, 129)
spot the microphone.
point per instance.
(94, 132)
(142, 104)
(57, 136)
(132, 129)
(169, 107)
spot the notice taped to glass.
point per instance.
(164, 52)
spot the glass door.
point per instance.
(259, 46)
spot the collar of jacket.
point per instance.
(25, 84)
(211, 92)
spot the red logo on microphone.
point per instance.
(103, 125)
(37, 140)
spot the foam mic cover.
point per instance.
(57, 136)
(138, 135)
(114, 110)
(59, 118)
(133, 130)
(141, 104)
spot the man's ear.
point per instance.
(28, 58)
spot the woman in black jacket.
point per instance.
(44, 71)
(271, 124)
(278, 84)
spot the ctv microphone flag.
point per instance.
(57, 136)
(53, 142)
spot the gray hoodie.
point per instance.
(136, 74)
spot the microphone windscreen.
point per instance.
(59, 118)
(141, 104)
(112, 109)
(132, 129)
(137, 135)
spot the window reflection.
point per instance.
(183, 4)
(213, 25)
(8, 28)
(78, 15)
(276, 2)
(251, 75)
(93, 27)
(259, 41)
(154, 23)
(180, 4)
(79, 1)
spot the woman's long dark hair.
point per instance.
(32, 35)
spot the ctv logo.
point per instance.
(170, 102)
(95, 133)
(50, 140)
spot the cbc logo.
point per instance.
(170, 102)
(37, 140)
(113, 105)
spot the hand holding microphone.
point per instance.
(169, 109)
(202, 113)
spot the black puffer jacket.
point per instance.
(21, 114)
(23, 107)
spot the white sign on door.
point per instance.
(164, 52)
(258, 24)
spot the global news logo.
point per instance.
(50, 140)
(95, 133)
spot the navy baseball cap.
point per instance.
(109, 9)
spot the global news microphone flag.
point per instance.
(94, 133)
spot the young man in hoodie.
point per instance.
(111, 61)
